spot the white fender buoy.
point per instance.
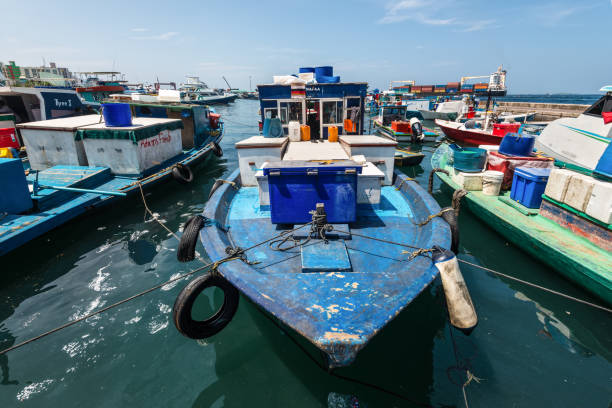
(460, 307)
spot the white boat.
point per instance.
(196, 91)
(30, 104)
(449, 110)
(579, 141)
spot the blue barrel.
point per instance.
(325, 71)
(304, 70)
(328, 79)
(117, 114)
(516, 144)
(469, 159)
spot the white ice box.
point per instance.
(378, 150)
(132, 149)
(254, 152)
(53, 142)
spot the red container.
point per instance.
(400, 126)
(501, 129)
(427, 88)
(507, 164)
(453, 85)
(8, 138)
(416, 88)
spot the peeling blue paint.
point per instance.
(339, 312)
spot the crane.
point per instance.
(465, 78)
(228, 85)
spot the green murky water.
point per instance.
(529, 349)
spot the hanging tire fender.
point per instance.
(182, 173)
(191, 231)
(217, 150)
(183, 305)
(451, 219)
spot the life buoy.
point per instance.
(217, 150)
(181, 313)
(191, 231)
(182, 173)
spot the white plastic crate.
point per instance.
(600, 202)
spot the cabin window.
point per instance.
(332, 112)
(270, 113)
(290, 111)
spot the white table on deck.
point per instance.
(315, 151)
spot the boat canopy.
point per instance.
(604, 104)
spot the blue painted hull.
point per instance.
(338, 312)
(17, 230)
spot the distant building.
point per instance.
(55, 75)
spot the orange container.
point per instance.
(305, 133)
(349, 126)
(332, 134)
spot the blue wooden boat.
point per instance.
(324, 236)
(356, 285)
(60, 192)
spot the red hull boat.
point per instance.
(457, 132)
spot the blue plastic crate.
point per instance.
(296, 188)
(528, 185)
(14, 192)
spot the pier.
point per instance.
(544, 111)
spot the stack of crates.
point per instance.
(440, 89)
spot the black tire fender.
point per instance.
(189, 239)
(181, 312)
(182, 173)
(217, 150)
(451, 219)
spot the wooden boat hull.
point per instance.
(577, 259)
(337, 312)
(472, 137)
(18, 230)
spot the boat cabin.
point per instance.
(318, 105)
(391, 113)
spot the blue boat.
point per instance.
(76, 165)
(324, 236)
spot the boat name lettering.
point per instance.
(163, 137)
(63, 104)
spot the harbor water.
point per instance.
(531, 348)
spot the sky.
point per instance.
(546, 47)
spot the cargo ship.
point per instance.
(495, 86)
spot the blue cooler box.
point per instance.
(297, 186)
(528, 185)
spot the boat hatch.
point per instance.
(325, 256)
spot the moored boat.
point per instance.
(574, 243)
(391, 122)
(78, 164)
(469, 134)
(325, 237)
(583, 140)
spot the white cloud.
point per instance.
(479, 25)
(139, 30)
(430, 13)
(159, 37)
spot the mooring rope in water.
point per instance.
(535, 285)
(213, 265)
